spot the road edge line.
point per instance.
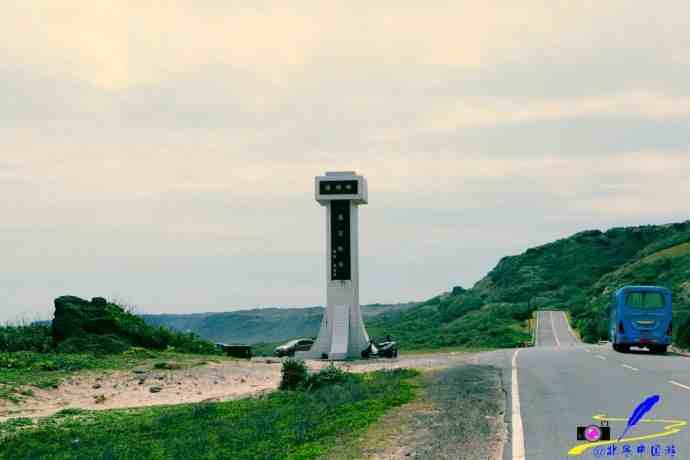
(518, 436)
(553, 330)
(570, 329)
(673, 382)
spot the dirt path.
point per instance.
(211, 382)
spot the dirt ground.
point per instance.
(211, 382)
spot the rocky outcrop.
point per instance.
(76, 317)
(100, 326)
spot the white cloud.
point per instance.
(166, 152)
(482, 112)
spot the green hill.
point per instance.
(260, 324)
(577, 274)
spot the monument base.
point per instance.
(342, 335)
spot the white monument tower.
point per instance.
(342, 333)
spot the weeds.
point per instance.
(285, 425)
(47, 370)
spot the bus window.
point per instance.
(645, 300)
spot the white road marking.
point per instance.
(630, 367)
(601, 357)
(570, 328)
(518, 440)
(588, 350)
(673, 382)
(553, 329)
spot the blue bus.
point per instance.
(641, 316)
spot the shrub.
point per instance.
(139, 352)
(166, 365)
(294, 374)
(46, 366)
(97, 344)
(683, 334)
(35, 337)
(45, 361)
(10, 362)
(326, 376)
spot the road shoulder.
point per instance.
(459, 413)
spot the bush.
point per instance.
(683, 335)
(36, 338)
(96, 344)
(327, 376)
(169, 365)
(139, 352)
(294, 374)
(45, 361)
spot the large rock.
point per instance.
(76, 318)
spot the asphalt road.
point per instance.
(563, 383)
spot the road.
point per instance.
(561, 383)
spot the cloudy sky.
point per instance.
(164, 155)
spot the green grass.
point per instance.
(456, 321)
(19, 371)
(284, 425)
(265, 348)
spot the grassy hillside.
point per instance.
(666, 263)
(259, 325)
(577, 274)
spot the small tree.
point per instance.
(294, 374)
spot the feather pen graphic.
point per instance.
(644, 407)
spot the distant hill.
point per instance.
(577, 274)
(260, 324)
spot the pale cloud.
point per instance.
(164, 152)
(638, 104)
(120, 44)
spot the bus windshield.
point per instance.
(645, 300)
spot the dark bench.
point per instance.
(236, 351)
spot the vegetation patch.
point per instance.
(456, 321)
(99, 326)
(36, 338)
(577, 274)
(294, 425)
(20, 371)
(458, 414)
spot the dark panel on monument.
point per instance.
(338, 187)
(340, 240)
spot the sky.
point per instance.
(164, 155)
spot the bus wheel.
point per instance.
(616, 347)
(623, 348)
(659, 349)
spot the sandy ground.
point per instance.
(211, 382)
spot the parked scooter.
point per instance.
(388, 348)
